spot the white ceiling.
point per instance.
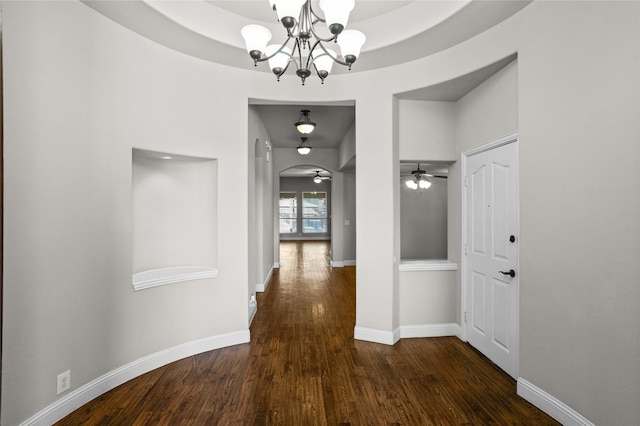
(397, 31)
(332, 124)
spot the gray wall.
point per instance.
(79, 95)
(579, 255)
(423, 221)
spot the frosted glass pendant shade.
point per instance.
(280, 60)
(288, 8)
(322, 61)
(350, 42)
(304, 148)
(305, 128)
(336, 13)
(255, 37)
(411, 184)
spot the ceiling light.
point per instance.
(304, 124)
(304, 148)
(299, 20)
(317, 178)
(424, 183)
(411, 184)
(418, 181)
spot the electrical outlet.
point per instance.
(64, 381)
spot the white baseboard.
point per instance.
(430, 330)
(253, 309)
(97, 387)
(376, 336)
(261, 288)
(550, 404)
(343, 263)
(276, 265)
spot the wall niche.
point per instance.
(174, 207)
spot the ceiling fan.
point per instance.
(420, 178)
(317, 178)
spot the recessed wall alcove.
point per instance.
(174, 208)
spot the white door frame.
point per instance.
(510, 138)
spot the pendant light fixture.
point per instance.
(304, 46)
(304, 123)
(304, 148)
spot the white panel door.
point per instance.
(491, 254)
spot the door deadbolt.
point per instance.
(512, 238)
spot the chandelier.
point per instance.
(304, 47)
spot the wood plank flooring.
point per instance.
(303, 367)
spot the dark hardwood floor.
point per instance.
(303, 367)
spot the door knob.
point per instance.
(510, 272)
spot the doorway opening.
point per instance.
(304, 204)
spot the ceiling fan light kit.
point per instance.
(308, 51)
(419, 179)
(318, 179)
(411, 184)
(424, 183)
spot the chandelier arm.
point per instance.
(317, 37)
(266, 58)
(284, 70)
(295, 31)
(318, 73)
(310, 59)
(327, 53)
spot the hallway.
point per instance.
(303, 367)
